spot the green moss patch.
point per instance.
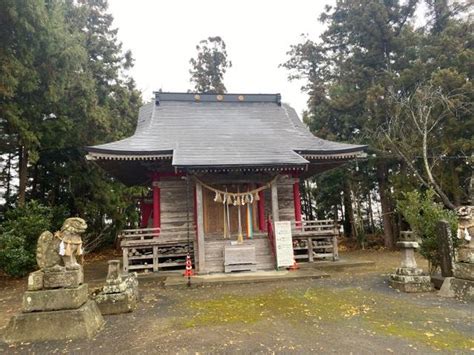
(376, 313)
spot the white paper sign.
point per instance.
(283, 243)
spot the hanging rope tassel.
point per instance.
(240, 238)
(225, 220)
(62, 249)
(249, 221)
(467, 236)
(228, 220)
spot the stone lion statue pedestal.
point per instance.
(120, 293)
(461, 286)
(56, 305)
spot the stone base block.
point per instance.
(461, 289)
(410, 284)
(115, 288)
(464, 271)
(411, 278)
(116, 303)
(35, 280)
(83, 322)
(119, 302)
(57, 299)
(409, 271)
(63, 279)
(465, 254)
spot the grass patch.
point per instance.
(377, 313)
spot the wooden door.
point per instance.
(214, 212)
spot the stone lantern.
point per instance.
(408, 277)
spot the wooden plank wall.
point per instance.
(285, 200)
(173, 205)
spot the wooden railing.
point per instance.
(320, 227)
(156, 248)
(315, 239)
(140, 233)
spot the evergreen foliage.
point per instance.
(210, 65)
(19, 233)
(423, 213)
(63, 86)
(370, 52)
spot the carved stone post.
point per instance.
(462, 284)
(445, 248)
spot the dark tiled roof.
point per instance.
(229, 130)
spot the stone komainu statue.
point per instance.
(466, 222)
(60, 249)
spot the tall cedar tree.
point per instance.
(210, 65)
(68, 89)
(370, 49)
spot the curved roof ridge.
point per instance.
(221, 133)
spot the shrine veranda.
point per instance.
(221, 169)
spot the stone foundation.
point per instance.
(55, 307)
(465, 254)
(410, 280)
(83, 322)
(408, 277)
(460, 289)
(63, 278)
(57, 299)
(116, 303)
(464, 271)
(412, 287)
(120, 293)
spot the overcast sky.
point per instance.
(162, 36)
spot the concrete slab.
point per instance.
(337, 265)
(245, 277)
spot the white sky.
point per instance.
(162, 36)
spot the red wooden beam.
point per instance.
(145, 211)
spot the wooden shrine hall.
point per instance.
(219, 169)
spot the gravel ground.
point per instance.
(353, 311)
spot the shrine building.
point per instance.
(220, 170)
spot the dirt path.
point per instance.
(354, 311)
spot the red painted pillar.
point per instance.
(297, 203)
(156, 202)
(261, 212)
(145, 210)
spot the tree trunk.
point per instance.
(310, 202)
(386, 204)
(22, 174)
(348, 210)
(9, 177)
(370, 213)
(446, 201)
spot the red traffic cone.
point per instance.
(189, 267)
(295, 265)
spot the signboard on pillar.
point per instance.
(283, 244)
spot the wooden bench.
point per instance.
(315, 240)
